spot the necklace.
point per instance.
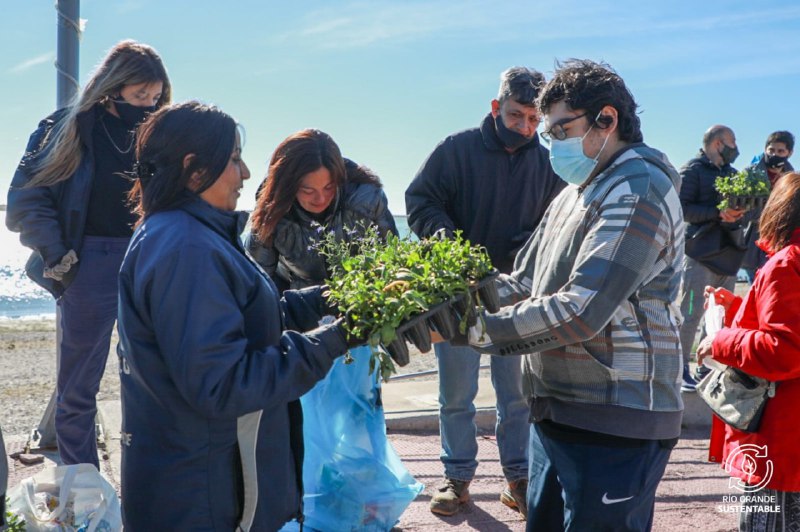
(126, 150)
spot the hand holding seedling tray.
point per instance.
(392, 291)
(746, 189)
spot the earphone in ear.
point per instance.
(604, 121)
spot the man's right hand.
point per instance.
(731, 215)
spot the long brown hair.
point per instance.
(127, 63)
(299, 154)
(781, 215)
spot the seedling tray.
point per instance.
(746, 202)
(444, 318)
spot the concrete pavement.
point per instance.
(689, 497)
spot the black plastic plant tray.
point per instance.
(746, 202)
(444, 318)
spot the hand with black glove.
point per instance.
(304, 308)
(353, 340)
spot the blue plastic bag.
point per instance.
(352, 477)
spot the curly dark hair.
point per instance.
(781, 136)
(589, 86)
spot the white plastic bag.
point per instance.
(67, 498)
(714, 319)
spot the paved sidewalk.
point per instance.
(687, 499)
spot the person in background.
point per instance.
(311, 189)
(763, 340)
(493, 183)
(592, 305)
(773, 163)
(309, 185)
(211, 373)
(68, 201)
(699, 200)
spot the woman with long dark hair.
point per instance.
(310, 189)
(68, 201)
(211, 431)
(763, 340)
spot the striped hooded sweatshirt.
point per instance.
(592, 303)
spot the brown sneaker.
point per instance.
(515, 496)
(450, 496)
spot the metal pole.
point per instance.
(67, 61)
(67, 57)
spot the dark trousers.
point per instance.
(582, 487)
(88, 310)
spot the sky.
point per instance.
(388, 80)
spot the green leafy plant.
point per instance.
(14, 522)
(380, 284)
(751, 182)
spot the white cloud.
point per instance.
(32, 62)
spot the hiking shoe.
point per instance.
(515, 496)
(688, 384)
(450, 496)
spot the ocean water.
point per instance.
(22, 298)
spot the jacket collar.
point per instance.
(493, 142)
(228, 224)
(793, 240)
(703, 158)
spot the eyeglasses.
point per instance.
(556, 131)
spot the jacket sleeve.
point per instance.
(773, 350)
(429, 194)
(201, 335)
(33, 211)
(263, 254)
(694, 212)
(624, 240)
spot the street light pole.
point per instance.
(67, 61)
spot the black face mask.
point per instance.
(132, 115)
(728, 154)
(510, 138)
(775, 161)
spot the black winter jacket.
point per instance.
(699, 200)
(470, 182)
(210, 376)
(51, 220)
(288, 259)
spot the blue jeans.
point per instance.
(88, 310)
(695, 279)
(458, 386)
(581, 486)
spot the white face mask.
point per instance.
(569, 161)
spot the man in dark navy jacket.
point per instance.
(493, 183)
(715, 258)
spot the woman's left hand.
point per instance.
(705, 349)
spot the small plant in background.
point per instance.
(751, 182)
(378, 285)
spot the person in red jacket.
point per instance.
(763, 340)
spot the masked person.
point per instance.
(68, 201)
(211, 365)
(591, 306)
(773, 163)
(493, 183)
(715, 244)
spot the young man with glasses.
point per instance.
(493, 183)
(591, 305)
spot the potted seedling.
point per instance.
(746, 189)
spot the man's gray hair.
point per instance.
(713, 133)
(521, 84)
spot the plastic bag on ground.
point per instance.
(353, 478)
(66, 498)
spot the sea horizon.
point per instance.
(21, 298)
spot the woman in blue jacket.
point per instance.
(68, 201)
(210, 370)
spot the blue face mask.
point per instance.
(569, 161)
